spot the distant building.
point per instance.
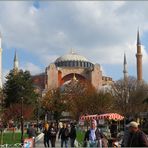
(65, 67)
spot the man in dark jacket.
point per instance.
(136, 137)
(31, 131)
(64, 134)
(72, 135)
(53, 133)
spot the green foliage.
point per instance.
(19, 85)
(80, 137)
(12, 137)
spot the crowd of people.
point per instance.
(94, 136)
(65, 132)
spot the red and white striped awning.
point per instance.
(88, 117)
(109, 116)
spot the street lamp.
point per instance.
(37, 114)
(22, 122)
(38, 92)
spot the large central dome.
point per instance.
(71, 57)
(73, 60)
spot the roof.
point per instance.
(71, 57)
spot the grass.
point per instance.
(11, 138)
(80, 137)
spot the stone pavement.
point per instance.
(40, 143)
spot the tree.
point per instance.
(129, 96)
(19, 85)
(82, 98)
(77, 98)
(53, 102)
(14, 112)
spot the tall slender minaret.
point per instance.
(16, 63)
(139, 58)
(125, 71)
(0, 60)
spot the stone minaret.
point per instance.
(0, 60)
(125, 71)
(139, 59)
(16, 63)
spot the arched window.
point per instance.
(68, 63)
(61, 63)
(64, 63)
(74, 63)
(71, 64)
(77, 63)
(82, 64)
(87, 64)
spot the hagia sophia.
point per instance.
(70, 65)
(66, 67)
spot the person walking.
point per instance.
(93, 137)
(136, 138)
(64, 134)
(46, 135)
(113, 129)
(32, 133)
(72, 134)
(53, 133)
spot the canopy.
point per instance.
(88, 117)
(109, 116)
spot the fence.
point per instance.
(19, 144)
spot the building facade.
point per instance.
(66, 67)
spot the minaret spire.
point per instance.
(139, 58)
(125, 71)
(0, 60)
(16, 62)
(138, 38)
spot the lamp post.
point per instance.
(22, 122)
(37, 114)
(38, 92)
(2, 95)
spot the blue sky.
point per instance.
(101, 31)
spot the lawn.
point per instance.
(11, 138)
(80, 137)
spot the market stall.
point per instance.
(108, 116)
(105, 121)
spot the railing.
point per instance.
(11, 145)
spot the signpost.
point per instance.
(28, 143)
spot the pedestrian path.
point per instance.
(40, 143)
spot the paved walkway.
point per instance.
(40, 143)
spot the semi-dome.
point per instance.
(71, 57)
(73, 60)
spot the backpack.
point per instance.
(66, 132)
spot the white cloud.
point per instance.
(101, 31)
(5, 73)
(34, 69)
